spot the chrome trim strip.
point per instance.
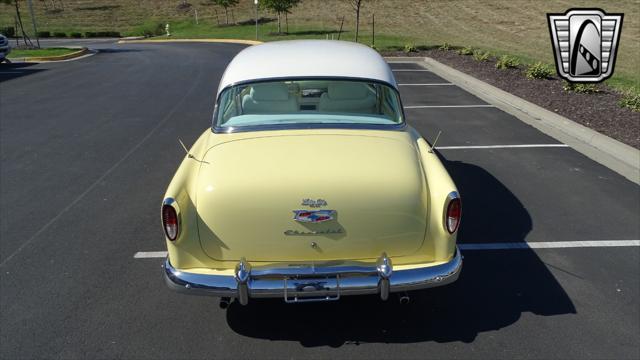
(173, 203)
(309, 78)
(353, 280)
(231, 130)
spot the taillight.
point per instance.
(453, 214)
(170, 222)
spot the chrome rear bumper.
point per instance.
(313, 282)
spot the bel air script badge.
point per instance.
(314, 203)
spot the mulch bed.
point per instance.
(598, 111)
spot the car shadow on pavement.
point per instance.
(16, 70)
(494, 288)
(490, 212)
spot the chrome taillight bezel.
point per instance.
(451, 197)
(170, 204)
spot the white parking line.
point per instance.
(407, 70)
(432, 84)
(488, 246)
(149, 254)
(550, 244)
(501, 146)
(448, 106)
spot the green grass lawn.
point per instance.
(19, 53)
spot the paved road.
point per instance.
(88, 147)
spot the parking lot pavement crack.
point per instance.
(105, 174)
(563, 270)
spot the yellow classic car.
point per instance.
(309, 185)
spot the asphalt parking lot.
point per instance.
(89, 146)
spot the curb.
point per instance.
(228, 41)
(609, 152)
(83, 51)
(130, 38)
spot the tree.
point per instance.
(280, 7)
(25, 38)
(226, 4)
(356, 5)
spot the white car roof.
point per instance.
(307, 58)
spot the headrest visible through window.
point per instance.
(269, 92)
(347, 90)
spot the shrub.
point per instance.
(44, 34)
(467, 50)
(107, 34)
(409, 48)
(630, 100)
(445, 47)
(90, 34)
(75, 35)
(480, 55)
(8, 31)
(150, 28)
(59, 34)
(539, 70)
(506, 62)
(580, 88)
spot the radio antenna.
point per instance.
(189, 154)
(433, 146)
(185, 149)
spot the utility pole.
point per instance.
(373, 29)
(256, 2)
(33, 20)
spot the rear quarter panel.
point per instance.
(185, 252)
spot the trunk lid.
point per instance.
(248, 190)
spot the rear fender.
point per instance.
(439, 186)
(185, 252)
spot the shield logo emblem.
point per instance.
(313, 216)
(585, 43)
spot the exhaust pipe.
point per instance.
(404, 299)
(224, 302)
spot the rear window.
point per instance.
(324, 101)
